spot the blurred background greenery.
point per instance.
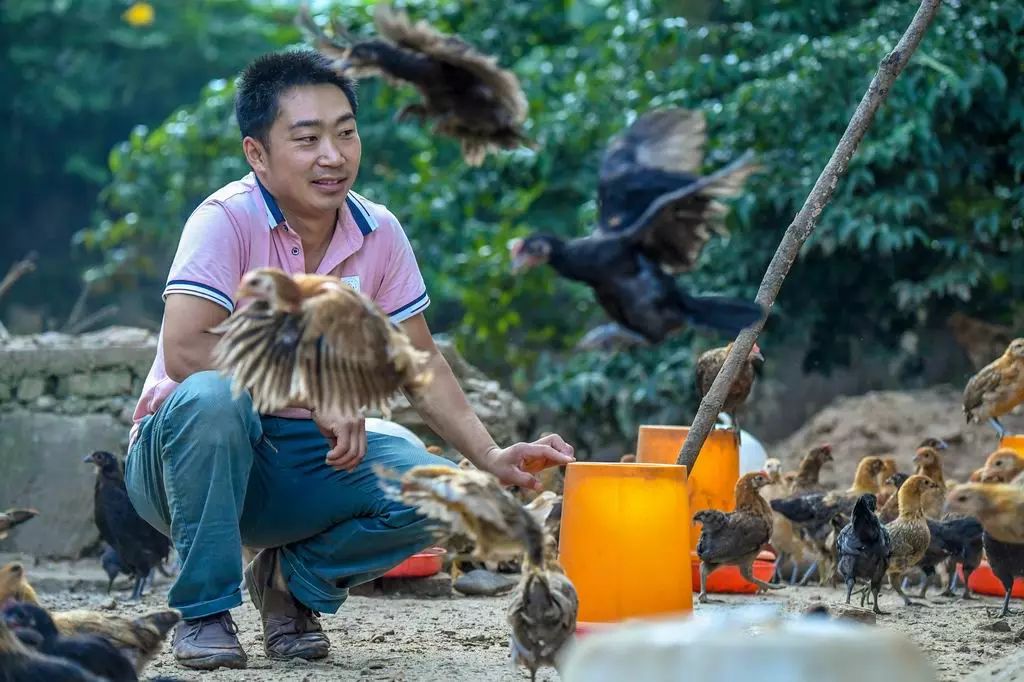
(119, 121)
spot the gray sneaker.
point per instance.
(290, 629)
(209, 643)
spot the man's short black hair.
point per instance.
(268, 76)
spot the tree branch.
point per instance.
(804, 223)
(17, 271)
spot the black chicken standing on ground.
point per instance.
(863, 547)
(465, 92)
(655, 215)
(34, 626)
(139, 546)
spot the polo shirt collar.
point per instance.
(356, 204)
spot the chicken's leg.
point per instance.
(1000, 429)
(876, 589)
(747, 571)
(807, 575)
(849, 591)
(894, 581)
(705, 571)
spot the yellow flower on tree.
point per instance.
(139, 14)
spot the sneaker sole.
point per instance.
(213, 662)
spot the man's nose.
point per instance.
(331, 154)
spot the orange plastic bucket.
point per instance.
(712, 484)
(984, 581)
(419, 565)
(625, 540)
(1013, 441)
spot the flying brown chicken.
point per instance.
(466, 94)
(543, 611)
(311, 340)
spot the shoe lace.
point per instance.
(223, 619)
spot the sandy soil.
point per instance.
(466, 638)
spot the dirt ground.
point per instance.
(463, 638)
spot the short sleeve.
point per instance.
(402, 293)
(208, 263)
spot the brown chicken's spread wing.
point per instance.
(338, 353)
(468, 501)
(422, 37)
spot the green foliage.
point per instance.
(78, 77)
(925, 222)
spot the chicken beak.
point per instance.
(89, 459)
(941, 444)
(519, 259)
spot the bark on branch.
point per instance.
(804, 223)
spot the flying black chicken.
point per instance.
(139, 546)
(655, 215)
(465, 92)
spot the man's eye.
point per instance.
(308, 139)
(348, 132)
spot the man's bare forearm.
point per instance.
(445, 409)
(185, 359)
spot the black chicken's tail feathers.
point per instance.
(730, 315)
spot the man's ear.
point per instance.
(255, 153)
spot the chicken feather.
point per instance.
(309, 339)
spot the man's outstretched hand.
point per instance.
(512, 465)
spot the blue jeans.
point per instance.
(212, 474)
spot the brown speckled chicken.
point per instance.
(464, 92)
(543, 611)
(14, 517)
(1002, 466)
(929, 463)
(710, 363)
(909, 535)
(311, 340)
(735, 538)
(14, 585)
(997, 388)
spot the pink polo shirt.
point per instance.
(240, 227)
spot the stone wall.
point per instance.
(62, 396)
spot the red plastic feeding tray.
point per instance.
(727, 579)
(984, 581)
(421, 565)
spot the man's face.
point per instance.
(314, 150)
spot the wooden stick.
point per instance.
(17, 271)
(804, 223)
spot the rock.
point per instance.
(42, 467)
(96, 384)
(996, 626)
(483, 583)
(45, 403)
(30, 388)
